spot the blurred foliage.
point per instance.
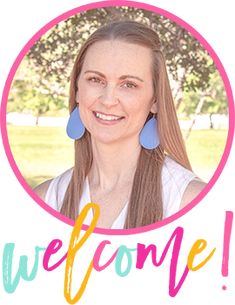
(214, 98)
(43, 76)
(31, 93)
(55, 52)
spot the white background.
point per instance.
(26, 224)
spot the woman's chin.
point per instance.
(107, 139)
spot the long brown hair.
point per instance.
(145, 204)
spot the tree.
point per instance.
(52, 56)
(31, 94)
(55, 52)
(209, 101)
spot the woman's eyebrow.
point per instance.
(131, 76)
(96, 72)
(121, 77)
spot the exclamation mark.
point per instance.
(227, 237)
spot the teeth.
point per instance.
(106, 117)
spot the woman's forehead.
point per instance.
(119, 55)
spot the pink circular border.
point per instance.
(157, 11)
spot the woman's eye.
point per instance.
(129, 85)
(95, 80)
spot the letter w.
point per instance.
(10, 284)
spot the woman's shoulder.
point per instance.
(42, 188)
(179, 185)
(53, 184)
(192, 190)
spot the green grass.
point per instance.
(44, 152)
(40, 152)
(205, 149)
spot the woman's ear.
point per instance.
(153, 109)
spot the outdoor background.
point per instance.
(38, 100)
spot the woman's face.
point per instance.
(115, 90)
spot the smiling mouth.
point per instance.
(107, 117)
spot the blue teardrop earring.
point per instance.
(75, 128)
(149, 137)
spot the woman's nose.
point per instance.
(109, 96)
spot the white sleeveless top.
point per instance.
(175, 179)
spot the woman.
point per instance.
(129, 152)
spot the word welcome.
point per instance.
(142, 252)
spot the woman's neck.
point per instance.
(113, 164)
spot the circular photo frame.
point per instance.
(149, 9)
